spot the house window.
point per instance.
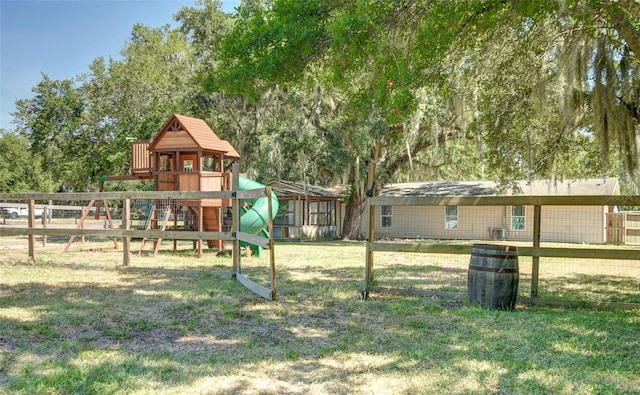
(321, 212)
(286, 213)
(385, 216)
(313, 213)
(517, 218)
(451, 217)
(324, 214)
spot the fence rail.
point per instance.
(532, 248)
(123, 231)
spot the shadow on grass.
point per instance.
(578, 286)
(196, 331)
(598, 288)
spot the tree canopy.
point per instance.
(20, 170)
(81, 127)
(531, 78)
(320, 90)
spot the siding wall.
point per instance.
(562, 224)
(579, 224)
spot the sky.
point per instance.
(60, 38)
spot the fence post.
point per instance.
(126, 240)
(200, 228)
(32, 225)
(235, 208)
(44, 218)
(272, 254)
(368, 275)
(535, 259)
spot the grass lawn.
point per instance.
(80, 323)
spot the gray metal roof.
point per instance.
(576, 187)
(289, 188)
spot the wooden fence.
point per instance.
(236, 236)
(624, 228)
(533, 250)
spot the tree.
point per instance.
(20, 171)
(81, 128)
(365, 47)
(580, 80)
(133, 97)
(52, 123)
(274, 133)
(362, 122)
(507, 75)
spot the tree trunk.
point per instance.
(353, 216)
(357, 205)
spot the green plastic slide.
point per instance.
(256, 218)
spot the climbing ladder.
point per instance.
(151, 219)
(85, 213)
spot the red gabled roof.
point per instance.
(201, 134)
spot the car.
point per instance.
(15, 212)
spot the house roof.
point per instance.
(202, 135)
(576, 187)
(289, 188)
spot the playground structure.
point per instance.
(188, 156)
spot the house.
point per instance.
(563, 224)
(307, 212)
